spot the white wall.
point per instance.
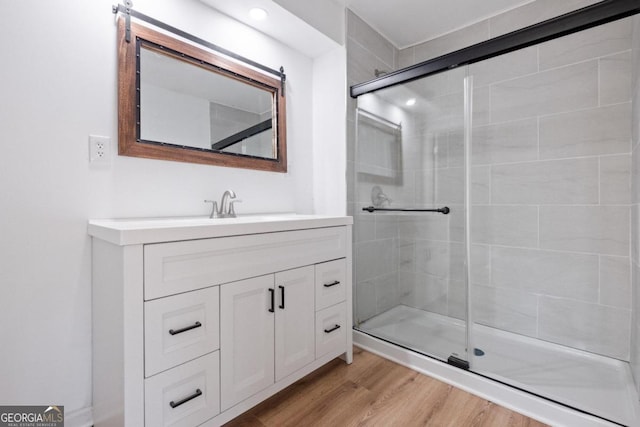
(325, 16)
(58, 86)
(329, 130)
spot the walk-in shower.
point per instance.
(493, 215)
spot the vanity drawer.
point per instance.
(180, 328)
(171, 268)
(184, 396)
(330, 283)
(331, 330)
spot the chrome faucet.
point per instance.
(226, 209)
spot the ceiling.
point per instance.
(408, 22)
(403, 22)
(280, 25)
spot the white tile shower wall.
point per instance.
(597, 42)
(534, 12)
(561, 274)
(551, 182)
(590, 132)
(635, 203)
(593, 327)
(453, 41)
(560, 175)
(376, 246)
(515, 19)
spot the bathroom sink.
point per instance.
(136, 230)
(197, 221)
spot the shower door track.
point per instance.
(569, 23)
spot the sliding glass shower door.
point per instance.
(496, 226)
(410, 228)
(550, 219)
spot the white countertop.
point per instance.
(133, 231)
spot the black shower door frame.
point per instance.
(569, 23)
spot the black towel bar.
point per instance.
(445, 210)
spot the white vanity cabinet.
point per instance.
(268, 331)
(195, 321)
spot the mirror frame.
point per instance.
(129, 143)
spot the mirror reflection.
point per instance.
(180, 102)
(187, 105)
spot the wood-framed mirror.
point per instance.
(179, 102)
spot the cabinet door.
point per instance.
(295, 320)
(246, 339)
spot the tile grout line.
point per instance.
(538, 228)
(599, 82)
(599, 181)
(537, 316)
(599, 279)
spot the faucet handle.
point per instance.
(214, 208)
(232, 211)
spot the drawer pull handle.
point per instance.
(328, 285)
(281, 297)
(273, 299)
(328, 331)
(186, 399)
(188, 328)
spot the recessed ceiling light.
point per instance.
(411, 102)
(258, 14)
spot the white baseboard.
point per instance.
(79, 418)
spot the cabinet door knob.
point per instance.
(281, 297)
(328, 285)
(186, 399)
(185, 329)
(328, 331)
(273, 300)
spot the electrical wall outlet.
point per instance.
(99, 149)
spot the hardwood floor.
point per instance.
(376, 392)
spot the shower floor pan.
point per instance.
(585, 381)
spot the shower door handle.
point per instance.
(444, 210)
